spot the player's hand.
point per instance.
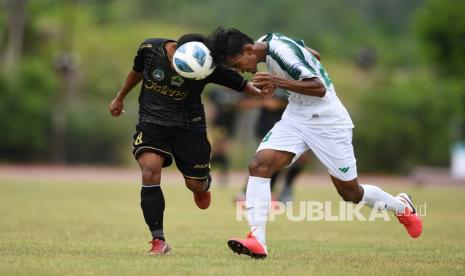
(264, 92)
(116, 107)
(268, 91)
(259, 86)
(263, 79)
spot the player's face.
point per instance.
(245, 62)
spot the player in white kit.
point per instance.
(314, 119)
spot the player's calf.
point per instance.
(350, 191)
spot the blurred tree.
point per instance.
(16, 14)
(337, 27)
(43, 115)
(65, 66)
(25, 107)
(406, 122)
(390, 16)
(441, 26)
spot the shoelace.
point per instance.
(249, 235)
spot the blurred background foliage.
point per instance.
(397, 65)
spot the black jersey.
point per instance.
(168, 99)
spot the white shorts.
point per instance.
(332, 146)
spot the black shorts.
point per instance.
(189, 149)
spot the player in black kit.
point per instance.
(171, 126)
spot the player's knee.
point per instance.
(150, 176)
(261, 169)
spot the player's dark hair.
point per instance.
(189, 38)
(227, 42)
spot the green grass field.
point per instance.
(59, 228)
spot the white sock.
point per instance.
(257, 203)
(373, 194)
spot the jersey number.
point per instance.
(138, 139)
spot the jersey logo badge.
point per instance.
(158, 74)
(177, 81)
(344, 170)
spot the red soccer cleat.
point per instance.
(203, 199)
(249, 246)
(159, 248)
(410, 219)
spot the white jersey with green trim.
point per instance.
(289, 59)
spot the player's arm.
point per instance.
(251, 90)
(233, 80)
(307, 86)
(116, 106)
(314, 53)
(305, 81)
(134, 77)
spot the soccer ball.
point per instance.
(193, 61)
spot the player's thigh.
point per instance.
(284, 138)
(155, 139)
(191, 152)
(333, 147)
(304, 158)
(266, 162)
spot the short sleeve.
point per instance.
(229, 78)
(138, 65)
(292, 59)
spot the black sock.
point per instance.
(291, 174)
(153, 206)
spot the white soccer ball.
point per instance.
(193, 61)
